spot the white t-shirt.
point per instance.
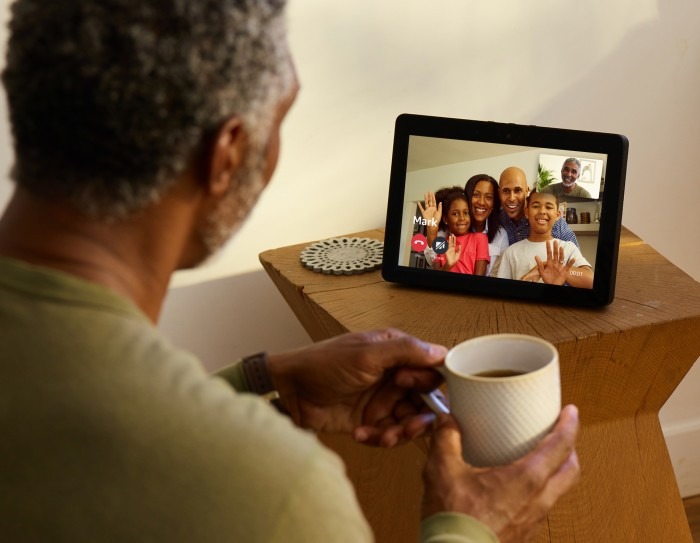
(518, 259)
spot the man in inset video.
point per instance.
(568, 188)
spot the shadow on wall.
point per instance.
(222, 320)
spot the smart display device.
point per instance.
(575, 183)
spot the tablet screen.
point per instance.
(507, 210)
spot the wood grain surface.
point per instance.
(692, 511)
(619, 364)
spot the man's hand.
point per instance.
(511, 500)
(366, 384)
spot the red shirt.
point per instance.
(475, 246)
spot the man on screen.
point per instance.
(570, 172)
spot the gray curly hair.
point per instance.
(574, 160)
(110, 100)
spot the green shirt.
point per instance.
(558, 190)
(111, 434)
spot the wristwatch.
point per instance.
(259, 381)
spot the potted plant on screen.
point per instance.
(544, 177)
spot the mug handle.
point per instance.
(433, 401)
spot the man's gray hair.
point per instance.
(572, 159)
(110, 100)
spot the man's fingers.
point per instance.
(369, 435)
(418, 425)
(553, 451)
(447, 441)
(418, 379)
(395, 434)
(559, 443)
(407, 430)
(396, 349)
(382, 403)
(561, 482)
(392, 436)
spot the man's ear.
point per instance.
(226, 157)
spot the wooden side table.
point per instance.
(619, 364)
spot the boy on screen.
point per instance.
(541, 258)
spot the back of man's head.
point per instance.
(111, 99)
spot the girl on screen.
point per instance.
(467, 252)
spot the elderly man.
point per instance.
(144, 131)
(513, 190)
(568, 187)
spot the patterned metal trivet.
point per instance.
(343, 256)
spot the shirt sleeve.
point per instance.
(501, 240)
(561, 230)
(234, 376)
(503, 270)
(580, 259)
(455, 528)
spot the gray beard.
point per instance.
(246, 186)
(249, 181)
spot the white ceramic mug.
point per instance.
(501, 418)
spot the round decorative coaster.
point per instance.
(343, 256)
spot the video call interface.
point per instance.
(522, 205)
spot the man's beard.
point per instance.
(246, 186)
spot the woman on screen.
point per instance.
(485, 207)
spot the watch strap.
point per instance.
(259, 380)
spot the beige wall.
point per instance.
(630, 66)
